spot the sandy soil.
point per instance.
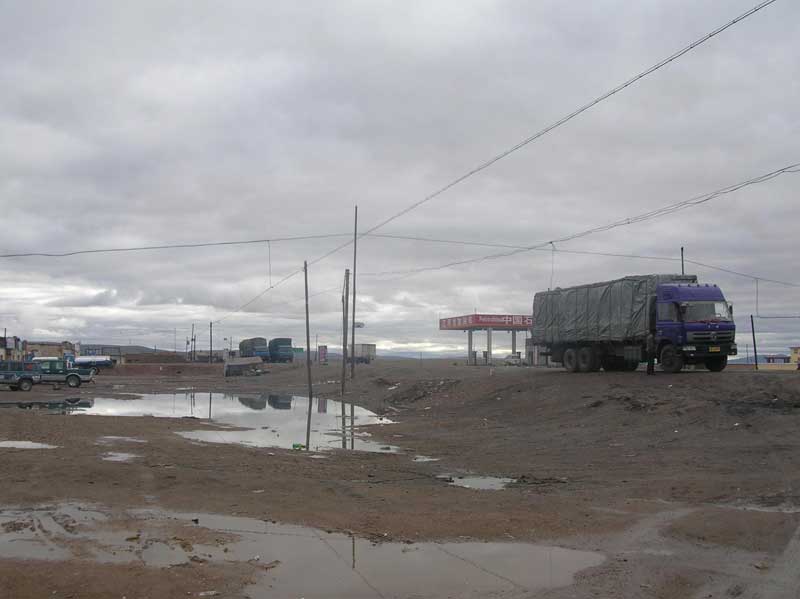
(686, 482)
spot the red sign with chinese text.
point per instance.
(502, 322)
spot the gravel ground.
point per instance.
(687, 482)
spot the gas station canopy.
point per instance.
(487, 322)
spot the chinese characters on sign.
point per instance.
(505, 322)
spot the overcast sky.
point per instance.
(125, 124)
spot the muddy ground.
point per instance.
(688, 483)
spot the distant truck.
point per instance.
(256, 347)
(56, 370)
(606, 325)
(364, 353)
(20, 376)
(280, 350)
(93, 362)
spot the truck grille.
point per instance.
(710, 337)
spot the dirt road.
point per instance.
(686, 484)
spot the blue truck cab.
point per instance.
(693, 325)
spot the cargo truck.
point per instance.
(606, 325)
(364, 353)
(255, 347)
(280, 350)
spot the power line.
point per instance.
(279, 304)
(578, 252)
(540, 133)
(172, 246)
(571, 115)
(669, 209)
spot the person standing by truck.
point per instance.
(651, 353)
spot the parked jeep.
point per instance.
(56, 370)
(19, 376)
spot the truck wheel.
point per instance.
(73, 381)
(586, 359)
(671, 359)
(717, 364)
(570, 360)
(25, 385)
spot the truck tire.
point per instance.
(671, 359)
(586, 359)
(570, 359)
(74, 381)
(25, 385)
(717, 364)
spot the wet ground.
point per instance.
(287, 560)
(680, 486)
(259, 419)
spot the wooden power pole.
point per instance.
(353, 323)
(345, 309)
(308, 362)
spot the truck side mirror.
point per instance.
(730, 307)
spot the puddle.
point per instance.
(25, 445)
(424, 458)
(271, 420)
(484, 483)
(119, 456)
(111, 440)
(288, 560)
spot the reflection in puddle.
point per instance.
(484, 483)
(25, 445)
(270, 420)
(281, 555)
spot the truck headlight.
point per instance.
(689, 348)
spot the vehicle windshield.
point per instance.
(707, 312)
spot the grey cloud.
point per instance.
(181, 122)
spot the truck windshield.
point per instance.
(707, 311)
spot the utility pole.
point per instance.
(345, 308)
(210, 341)
(191, 348)
(683, 270)
(755, 348)
(175, 341)
(308, 363)
(353, 323)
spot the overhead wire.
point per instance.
(659, 212)
(486, 164)
(171, 246)
(482, 166)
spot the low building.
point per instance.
(777, 359)
(795, 357)
(48, 349)
(11, 349)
